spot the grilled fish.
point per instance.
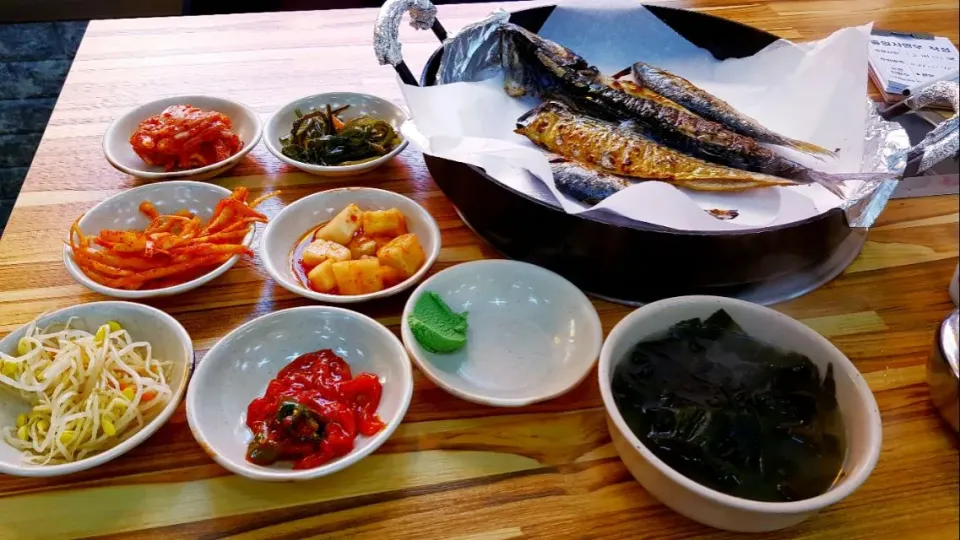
(585, 184)
(533, 64)
(622, 151)
(633, 89)
(699, 101)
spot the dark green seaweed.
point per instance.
(731, 412)
(315, 139)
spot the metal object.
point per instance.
(954, 288)
(943, 373)
(386, 33)
(928, 185)
(768, 293)
(944, 141)
(630, 262)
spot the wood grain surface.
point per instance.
(453, 469)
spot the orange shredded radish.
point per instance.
(172, 249)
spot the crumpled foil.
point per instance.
(883, 143)
(939, 94)
(386, 32)
(943, 142)
(474, 55)
(884, 153)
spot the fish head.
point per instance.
(640, 69)
(538, 120)
(516, 79)
(657, 78)
(532, 64)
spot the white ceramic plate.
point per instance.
(170, 342)
(360, 104)
(293, 222)
(122, 211)
(116, 140)
(859, 409)
(532, 334)
(238, 368)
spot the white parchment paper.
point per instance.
(813, 92)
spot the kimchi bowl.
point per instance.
(119, 151)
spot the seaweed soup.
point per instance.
(733, 413)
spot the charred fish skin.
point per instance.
(633, 89)
(585, 184)
(613, 149)
(522, 77)
(705, 104)
(533, 64)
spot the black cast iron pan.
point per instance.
(637, 263)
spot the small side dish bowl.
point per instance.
(238, 368)
(684, 495)
(122, 211)
(120, 154)
(281, 122)
(286, 230)
(170, 342)
(531, 336)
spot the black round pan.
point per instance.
(634, 262)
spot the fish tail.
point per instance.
(834, 182)
(809, 148)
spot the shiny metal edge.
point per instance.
(943, 371)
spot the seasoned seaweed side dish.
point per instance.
(321, 138)
(732, 413)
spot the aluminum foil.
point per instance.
(944, 141)
(944, 148)
(942, 94)
(884, 143)
(884, 153)
(474, 53)
(386, 32)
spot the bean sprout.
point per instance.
(89, 392)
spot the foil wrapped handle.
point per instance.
(386, 33)
(941, 143)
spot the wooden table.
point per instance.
(453, 469)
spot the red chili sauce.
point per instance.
(312, 412)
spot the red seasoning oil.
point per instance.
(296, 256)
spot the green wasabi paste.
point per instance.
(435, 326)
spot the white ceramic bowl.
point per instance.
(360, 104)
(122, 211)
(116, 140)
(532, 334)
(293, 222)
(238, 368)
(170, 342)
(859, 410)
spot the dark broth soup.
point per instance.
(733, 413)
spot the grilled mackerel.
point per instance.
(695, 99)
(535, 65)
(585, 184)
(622, 151)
